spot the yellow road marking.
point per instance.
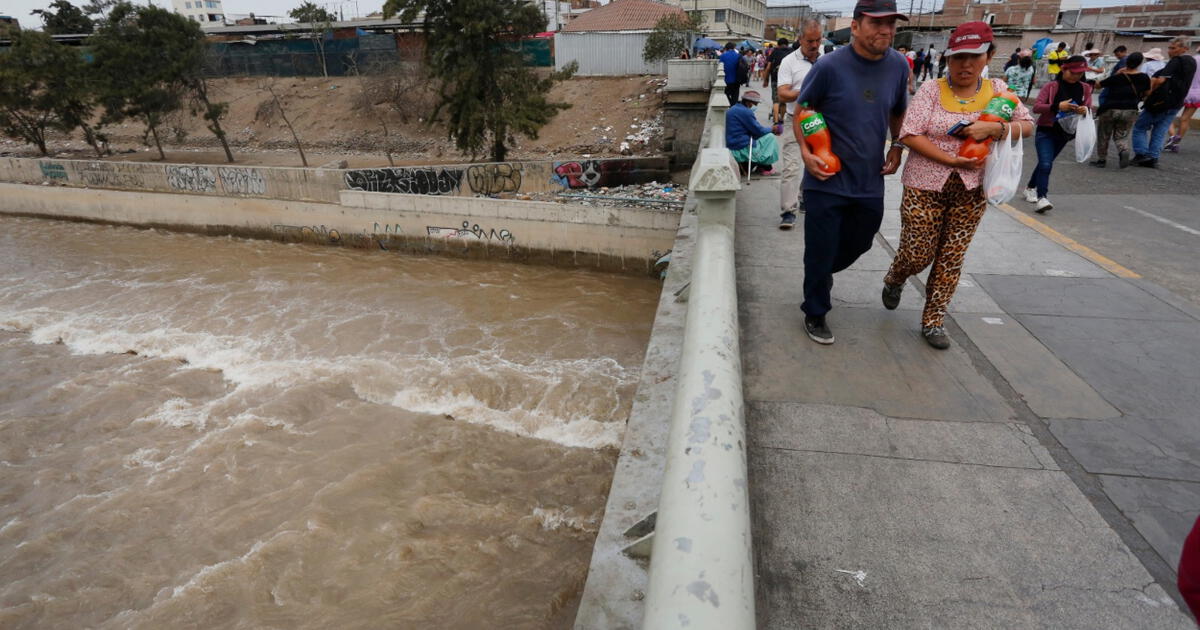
(1069, 243)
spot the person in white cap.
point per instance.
(1096, 66)
(746, 139)
(1155, 61)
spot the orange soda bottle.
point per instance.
(816, 137)
(999, 109)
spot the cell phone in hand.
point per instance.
(958, 127)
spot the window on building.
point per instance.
(719, 15)
(187, 5)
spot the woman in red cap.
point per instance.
(943, 198)
(1057, 101)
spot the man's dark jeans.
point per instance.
(732, 91)
(837, 230)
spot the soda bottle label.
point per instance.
(813, 124)
(1000, 107)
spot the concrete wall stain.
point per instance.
(53, 170)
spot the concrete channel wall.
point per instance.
(317, 205)
(325, 185)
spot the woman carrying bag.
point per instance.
(943, 199)
(1059, 105)
(1115, 117)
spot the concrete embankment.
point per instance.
(436, 209)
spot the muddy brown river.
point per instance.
(202, 432)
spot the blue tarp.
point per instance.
(704, 43)
(1039, 47)
(749, 44)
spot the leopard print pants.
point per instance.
(937, 228)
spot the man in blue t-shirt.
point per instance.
(729, 61)
(862, 91)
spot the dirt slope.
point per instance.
(334, 123)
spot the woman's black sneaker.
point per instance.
(891, 295)
(936, 337)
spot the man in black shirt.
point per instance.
(1168, 88)
(776, 58)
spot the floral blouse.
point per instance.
(931, 114)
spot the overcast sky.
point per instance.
(349, 8)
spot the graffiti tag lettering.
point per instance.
(314, 233)
(192, 178)
(104, 175)
(493, 179)
(470, 232)
(411, 181)
(242, 181)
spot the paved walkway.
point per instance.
(1041, 473)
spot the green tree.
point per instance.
(319, 21)
(150, 62)
(36, 80)
(310, 13)
(63, 18)
(671, 35)
(486, 91)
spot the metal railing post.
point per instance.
(701, 562)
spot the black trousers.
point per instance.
(837, 230)
(732, 91)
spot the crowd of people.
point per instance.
(876, 101)
(929, 101)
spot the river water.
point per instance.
(202, 432)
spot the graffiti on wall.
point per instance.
(308, 233)
(470, 232)
(411, 181)
(192, 178)
(493, 179)
(593, 173)
(105, 175)
(53, 170)
(242, 181)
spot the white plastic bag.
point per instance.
(1002, 172)
(1085, 137)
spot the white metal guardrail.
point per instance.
(701, 562)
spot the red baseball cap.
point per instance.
(970, 38)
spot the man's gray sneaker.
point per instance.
(936, 337)
(891, 295)
(787, 220)
(817, 330)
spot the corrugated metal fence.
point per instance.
(605, 53)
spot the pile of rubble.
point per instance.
(653, 195)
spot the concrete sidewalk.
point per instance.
(1039, 474)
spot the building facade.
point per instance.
(206, 13)
(729, 20)
(1020, 13)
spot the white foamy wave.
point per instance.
(552, 519)
(577, 433)
(572, 402)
